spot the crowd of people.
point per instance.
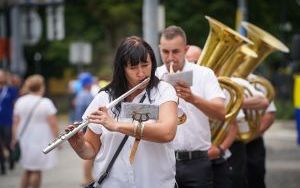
(169, 154)
(28, 117)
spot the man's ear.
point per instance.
(187, 48)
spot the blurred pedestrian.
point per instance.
(95, 86)
(8, 96)
(82, 101)
(15, 80)
(71, 99)
(34, 125)
(84, 97)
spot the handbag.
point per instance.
(16, 152)
(106, 173)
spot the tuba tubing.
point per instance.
(67, 135)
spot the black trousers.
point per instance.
(221, 173)
(195, 173)
(238, 163)
(5, 140)
(256, 156)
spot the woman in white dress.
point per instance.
(40, 113)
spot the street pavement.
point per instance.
(283, 162)
(283, 156)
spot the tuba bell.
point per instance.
(264, 44)
(222, 46)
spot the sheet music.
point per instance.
(149, 110)
(186, 77)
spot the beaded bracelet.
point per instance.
(142, 130)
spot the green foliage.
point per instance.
(104, 23)
(190, 16)
(285, 109)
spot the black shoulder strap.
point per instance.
(111, 163)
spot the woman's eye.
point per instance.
(133, 67)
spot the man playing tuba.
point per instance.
(203, 100)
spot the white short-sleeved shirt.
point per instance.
(243, 124)
(154, 164)
(37, 134)
(271, 107)
(247, 84)
(195, 133)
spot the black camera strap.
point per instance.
(111, 163)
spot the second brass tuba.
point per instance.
(264, 44)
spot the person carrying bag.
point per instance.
(16, 150)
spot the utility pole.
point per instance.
(17, 62)
(150, 25)
(241, 15)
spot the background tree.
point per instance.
(103, 23)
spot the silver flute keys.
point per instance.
(78, 126)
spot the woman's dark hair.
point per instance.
(132, 50)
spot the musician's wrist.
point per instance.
(138, 129)
(117, 127)
(221, 151)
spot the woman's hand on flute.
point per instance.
(77, 140)
(102, 117)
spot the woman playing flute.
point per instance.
(154, 164)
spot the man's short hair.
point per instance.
(173, 31)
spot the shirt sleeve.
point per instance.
(271, 107)
(212, 88)
(247, 84)
(101, 99)
(17, 108)
(168, 92)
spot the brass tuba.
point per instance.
(226, 71)
(263, 85)
(220, 129)
(264, 44)
(222, 45)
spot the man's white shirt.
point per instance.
(195, 133)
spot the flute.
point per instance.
(65, 136)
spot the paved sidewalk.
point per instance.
(283, 163)
(67, 174)
(283, 156)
